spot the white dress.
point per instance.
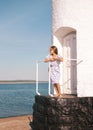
(54, 70)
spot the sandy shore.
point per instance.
(15, 123)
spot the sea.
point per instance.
(18, 99)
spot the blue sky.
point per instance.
(25, 36)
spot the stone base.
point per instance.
(67, 113)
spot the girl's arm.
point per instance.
(59, 59)
(47, 60)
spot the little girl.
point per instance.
(54, 60)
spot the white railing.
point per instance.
(49, 85)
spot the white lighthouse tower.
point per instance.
(72, 31)
(72, 26)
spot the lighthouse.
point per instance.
(72, 31)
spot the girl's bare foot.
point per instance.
(56, 95)
(60, 96)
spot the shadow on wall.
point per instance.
(67, 39)
(63, 31)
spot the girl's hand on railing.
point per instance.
(48, 60)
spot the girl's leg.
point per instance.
(57, 88)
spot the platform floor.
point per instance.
(68, 96)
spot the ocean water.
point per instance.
(18, 99)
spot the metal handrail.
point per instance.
(37, 79)
(49, 86)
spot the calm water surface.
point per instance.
(18, 99)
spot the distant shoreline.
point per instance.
(20, 81)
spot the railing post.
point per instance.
(49, 86)
(37, 79)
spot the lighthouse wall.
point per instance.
(69, 16)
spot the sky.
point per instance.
(25, 37)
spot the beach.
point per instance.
(16, 123)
